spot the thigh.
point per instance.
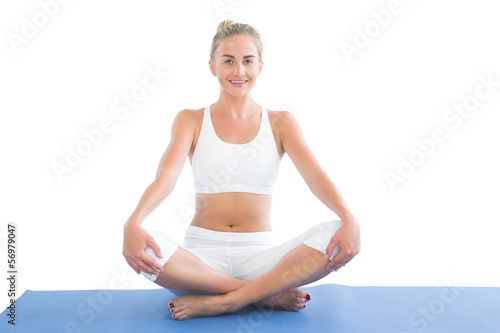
(191, 268)
(212, 252)
(213, 256)
(251, 266)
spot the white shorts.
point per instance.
(242, 255)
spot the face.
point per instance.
(236, 65)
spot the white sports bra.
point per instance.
(219, 166)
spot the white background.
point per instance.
(438, 227)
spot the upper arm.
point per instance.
(294, 144)
(181, 140)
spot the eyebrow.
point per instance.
(230, 56)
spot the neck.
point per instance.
(236, 107)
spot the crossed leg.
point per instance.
(185, 271)
(300, 266)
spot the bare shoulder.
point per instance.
(283, 121)
(280, 119)
(189, 115)
(188, 119)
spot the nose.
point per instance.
(239, 70)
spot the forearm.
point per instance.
(154, 194)
(329, 194)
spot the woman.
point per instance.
(229, 259)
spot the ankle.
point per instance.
(232, 302)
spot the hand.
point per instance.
(135, 241)
(347, 238)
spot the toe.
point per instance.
(177, 309)
(303, 294)
(173, 302)
(175, 306)
(299, 307)
(182, 315)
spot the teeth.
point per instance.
(238, 82)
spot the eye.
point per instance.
(248, 61)
(228, 61)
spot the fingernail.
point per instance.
(308, 297)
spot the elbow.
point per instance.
(164, 184)
(317, 180)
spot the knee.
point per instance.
(322, 236)
(329, 228)
(167, 248)
(166, 243)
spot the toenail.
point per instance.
(171, 305)
(308, 297)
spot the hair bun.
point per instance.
(227, 29)
(224, 24)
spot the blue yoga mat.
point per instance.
(333, 308)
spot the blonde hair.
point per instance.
(228, 28)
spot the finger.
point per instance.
(338, 256)
(146, 268)
(136, 270)
(144, 257)
(346, 260)
(150, 261)
(336, 261)
(330, 248)
(336, 267)
(132, 265)
(139, 265)
(156, 248)
(343, 261)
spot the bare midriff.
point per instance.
(233, 212)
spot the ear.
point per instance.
(212, 67)
(260, 68)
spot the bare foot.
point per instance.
(291, 300)
(191, 306)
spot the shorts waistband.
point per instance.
(257, 237)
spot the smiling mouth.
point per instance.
(238, 82)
